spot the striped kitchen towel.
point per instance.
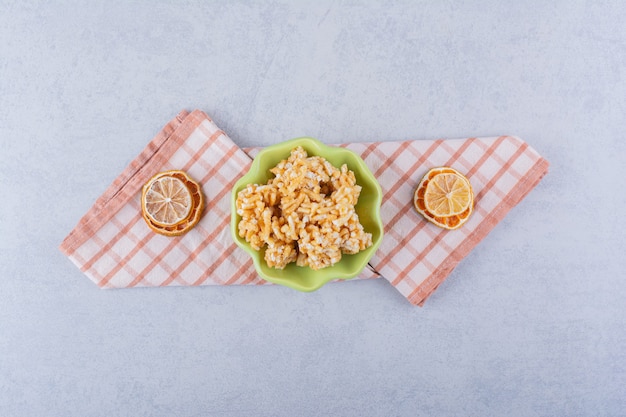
(114, 247)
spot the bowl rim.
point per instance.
(320, 150)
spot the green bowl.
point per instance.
(368, 209)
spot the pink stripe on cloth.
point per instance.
(133, 177)
(114, 247)
(527, 183)
(416, 256)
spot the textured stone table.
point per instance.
(531, 323)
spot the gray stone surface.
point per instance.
(531, 323)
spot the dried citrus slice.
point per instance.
(171, 203)
(167, 201)
(444, 197)
(447, 193)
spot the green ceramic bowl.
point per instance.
(368, 209)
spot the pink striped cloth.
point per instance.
(114, 247)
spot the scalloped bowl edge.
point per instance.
(368, 207)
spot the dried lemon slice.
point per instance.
(171, 203)
(167, 201)
(444, 197)
(447, 193)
